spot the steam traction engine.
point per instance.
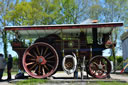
(63, 47)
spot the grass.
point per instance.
(112, 83)
(42, 81)
(31, 81)
(13, 73)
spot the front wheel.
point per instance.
(99, 67)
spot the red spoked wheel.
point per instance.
(40, 60)
(99, 67)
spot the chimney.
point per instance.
(94, 21)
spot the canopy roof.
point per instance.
(42, 30)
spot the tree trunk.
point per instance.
(5, 43)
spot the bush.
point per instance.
(119, 59)
(111, 58)
(15, 64)
(15, 59)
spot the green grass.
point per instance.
(13, 73)
(31, 81)
(111, 83)
(41, 81)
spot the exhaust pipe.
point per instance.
(69, 63)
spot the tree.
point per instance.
(73, 11)
(22, 14)
(115, 11)
(5, 6)
(94, 10)
(36, 12)
(50, 11)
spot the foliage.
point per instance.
(15, 59)
(119, 59)
(111, 58)
(5, 6)
(34, 12)
(12, 73)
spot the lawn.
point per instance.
(111, 83)
(31, 81)
(13, 73)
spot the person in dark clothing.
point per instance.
(9, 66)
(2, 65)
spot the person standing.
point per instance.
(2, 65)
(9, 66)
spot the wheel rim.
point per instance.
(99, 67)
(40, 60)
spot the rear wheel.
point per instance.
(40, 60)
(99, 67)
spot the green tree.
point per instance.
(94, 10)
(5, 6)
(22, 14)
(115, 11)
(73, 11)
(35, 12)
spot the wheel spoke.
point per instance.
(51, 61)
(28, 53)
(50, 66)
(47, 55)
(50, 57)
(32, 59)
(103, 65)
(45, 51)
(35, 53)
(99, 60)
(94, 72)
(103, 70)
(95, 63)
(42, 52)
(39, 69)
(46, 67)
(30, 63)
(100, 63)
(43, 71)
(38, 50)
(33, 66)
(36, 68)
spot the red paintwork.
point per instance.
(96, 74)
(73, 26)
(50, 72)
(43, 62)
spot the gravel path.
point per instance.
(120, 77)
